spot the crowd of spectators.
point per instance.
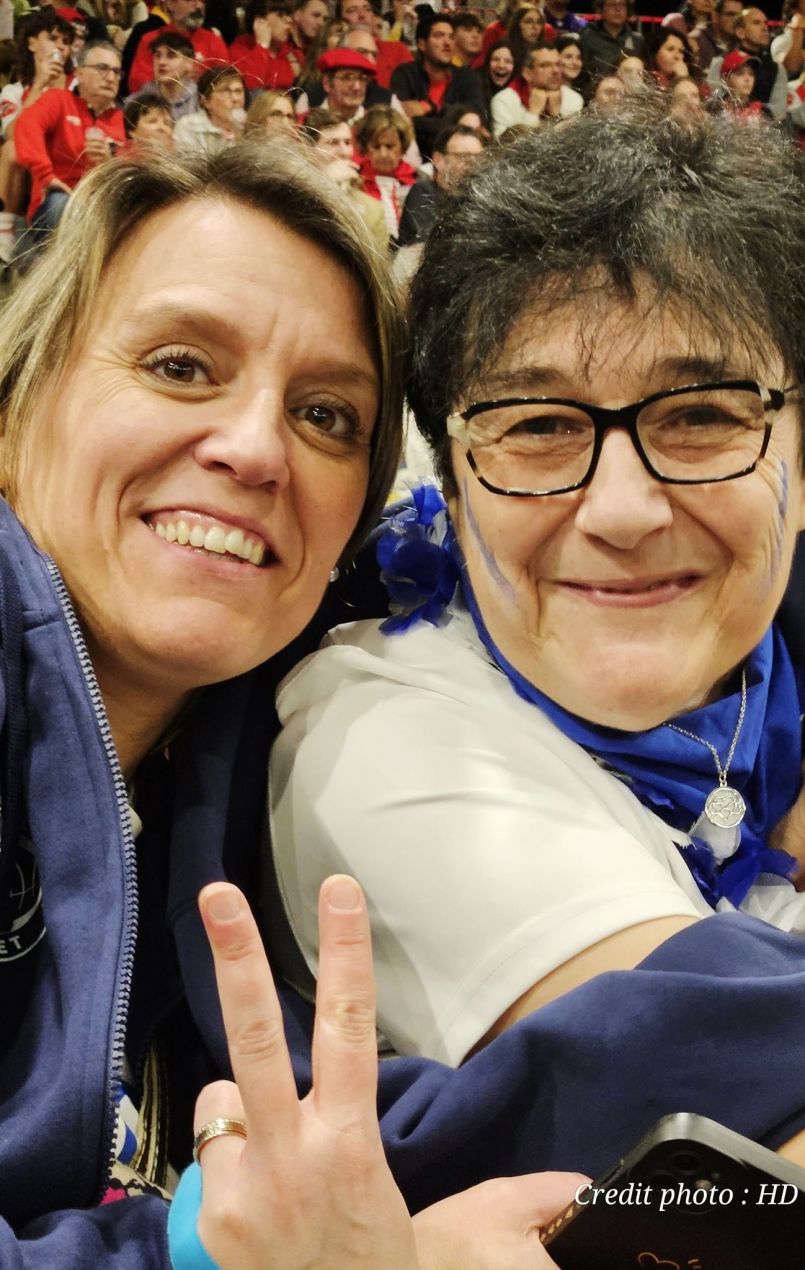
(399, 89)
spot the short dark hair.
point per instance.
(142, 104)
(466, 17)
(261, 9)
(456, 130)
(173, 40)
(453, 113)
(532, 53)
(566, 40)
(598, 7)
(428, 19)
(710, 219)
(211, 78)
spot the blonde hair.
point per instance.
(43, 320)
(260, 110)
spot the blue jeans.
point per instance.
(48, 214)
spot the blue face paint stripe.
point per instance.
(779, 527)
(782, 502)
(487, 554)
(782, 510)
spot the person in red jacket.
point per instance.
(262, 54)
(65, 133)
(187, 17)
(390, 53)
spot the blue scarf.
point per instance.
(421, 565)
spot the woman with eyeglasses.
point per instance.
(576, 742)
(271, 115)
(220, 121)
(526, 29)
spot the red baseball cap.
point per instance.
(73, 15)
(735, 60)
(345, 60)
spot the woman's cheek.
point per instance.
(771, 524)
(484, 551)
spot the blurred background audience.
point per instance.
(387, 79)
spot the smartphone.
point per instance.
(692, 1195)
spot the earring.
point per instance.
(335, 573)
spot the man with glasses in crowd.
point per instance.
(455, 152)
(549, 99)
(360, 40)
(717, 38)
(65, 133)
(345, 77)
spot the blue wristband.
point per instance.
(187, 1252)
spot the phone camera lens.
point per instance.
(686, 1162)
(661, 1180)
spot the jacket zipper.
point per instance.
(130, 913)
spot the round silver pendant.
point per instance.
(725, 807)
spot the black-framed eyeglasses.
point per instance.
(103, 68)
(694, 435)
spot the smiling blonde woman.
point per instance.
(187, 454)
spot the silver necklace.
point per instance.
(724, 806)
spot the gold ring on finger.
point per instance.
(217, 1129)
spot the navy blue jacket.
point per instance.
(712, 1022)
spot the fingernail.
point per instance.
(225, 905)
(344, 895)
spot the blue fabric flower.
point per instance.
(416, 565)
(734, 878)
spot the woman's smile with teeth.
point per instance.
(213, 537)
